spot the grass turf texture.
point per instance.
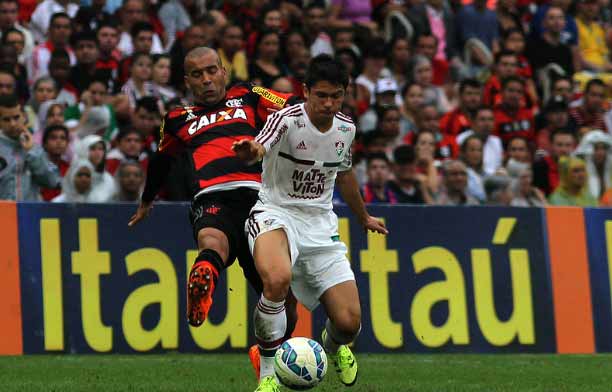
(232, 372)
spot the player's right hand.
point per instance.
(142, 212)
(376, 225)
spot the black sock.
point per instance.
(214, 259)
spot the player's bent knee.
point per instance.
(349, 322)
(215, 239)
(276, 285)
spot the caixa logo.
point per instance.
(223, 115)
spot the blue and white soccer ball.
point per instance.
(300, 363)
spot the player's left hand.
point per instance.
(246, 150)
(142, 212)
(376, 225)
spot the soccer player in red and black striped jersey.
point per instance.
(224, 188)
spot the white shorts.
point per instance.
(318, 257)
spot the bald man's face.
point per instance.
(205, 77)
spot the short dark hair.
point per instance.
(377, 156)
(7, 69)
(9, 101)
(59, 54)
(326, 68)
(375, 48)
(562, 131)
(504, 53)
(512, 79)
(126, 163)
(124, 133)
(265, 10)
(139, 27)
(464, 143)
(506, 34)
(107, 23)
(407, 87)
(518, 137)
(368, 138)
(343, 30)
(594, 82)
(558, 78)
(58, 15)
(264, 33)
(469, 82)
(482, 108)
(138, 55)
(315, 4)
(85, 35)
(228, 26)
(98, 77)
(148, 103)
(425, 35)
(404, 155)
(8, 31)
(158, 56)
(52, 128)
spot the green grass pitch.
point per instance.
(232, 372)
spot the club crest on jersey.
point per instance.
(299, 123)
(234, 103)
(339, 147)
(223, 115)
(344, 128)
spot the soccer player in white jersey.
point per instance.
(292, 229)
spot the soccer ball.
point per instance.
(300, 363)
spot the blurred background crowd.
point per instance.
(501, 102)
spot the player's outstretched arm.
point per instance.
(249, 150)
(349, 189)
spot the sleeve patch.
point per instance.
(270, 96)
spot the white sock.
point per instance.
(328, 344)
(270, 326)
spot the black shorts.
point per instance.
(228, 211)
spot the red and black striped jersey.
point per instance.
(206, 135)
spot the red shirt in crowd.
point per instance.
(584, 119)
(440, 71)
(492, 93)
(524, 68)
(115, 157)
(49, 193)
(508, 125)
(454, 122)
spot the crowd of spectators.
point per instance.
(475, 102)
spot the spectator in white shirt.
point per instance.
(493, 150)
(131, 12)
(314, 25)
(60, 29)
(41, 18)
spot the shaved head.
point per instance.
(205, 75)
(201, 51)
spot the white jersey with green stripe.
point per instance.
(301, 162)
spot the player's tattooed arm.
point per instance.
(249, 150)
(346, 181)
